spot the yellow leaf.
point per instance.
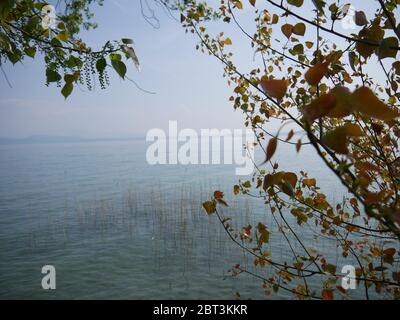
(315, 74)
(239, 4)
(367, 103)
(310, 182)
(274, 88)
(228, 41)
(210, 206)
(62, 36)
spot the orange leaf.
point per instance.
(290, 135)
(343, 105)
(337, 140)
(298, 145)
(315, 74)
(368, 104)
(327, 294)
(319, 107)
(287, 30)
(291, 178)
(271, 148)
(274, 88)
(353, 130)
(218, 194)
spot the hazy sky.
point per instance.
(188, 85)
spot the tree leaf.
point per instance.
(63, 36)
(30, 52)
(290, 135)
(127, 41)
(120, 67)
(343, 106)
(296, 3)
(274, 88)
(130, 52)
(101, 65)
(287, 30)
(367, 103)
(315, 74)
(271, 148)
(67, 89)
(218, 194)
(299, 29)
(327, 294)
(291, 178)
(310, 182)
(52, 76)
(385, 49)
(210, 206)
(319, 107)
(337, 139)
(361, 18)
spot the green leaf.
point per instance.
(319, 4)
(67, 89)
(115, 56)
(71, 77)
(52, 76)
(14, 56)
(297, 49)
(127, 41)
(101, 65)
(5, 8)
(73, 62)
(120, 67)
(30, 52)
(299, 29)
(5, 43)
(296, 3)
(385, 50)
(63, 36)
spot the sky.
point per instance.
(188, 85)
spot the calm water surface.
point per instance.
(116, 227)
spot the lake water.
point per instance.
(115, 227)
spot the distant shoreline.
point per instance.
(50, 139)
